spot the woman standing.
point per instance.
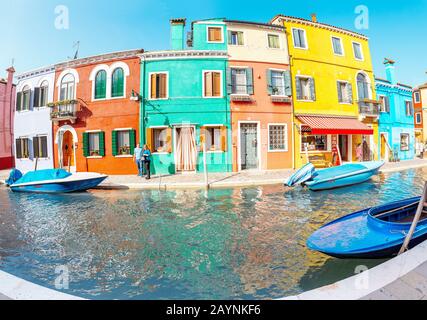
(146, 158)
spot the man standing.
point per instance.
(137, 154)
(146, 157)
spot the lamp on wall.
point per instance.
(134, 96)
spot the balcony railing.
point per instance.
(370, 108)
(64, 111)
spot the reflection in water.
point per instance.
(222, 244)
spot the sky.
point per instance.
(30, 34)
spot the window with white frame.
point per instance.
(159, 86)
(337, 46)
(215, 34)
(123, 142)
(22, 148)
(404, 141)
(418, 118)
(94, 145)
(305, 88)
(385, 104)
(212, 84)
(357, 49)
(235, 38)
(40, 147)
(213, 138)
(278, 137)
(67, 89)
(345, 92)
(278, 83)
(25, 100)
(409, 108)
(43, 94)
(160, 139)
(273, 41)
(417, 97)
(239, 83)
(299, 37)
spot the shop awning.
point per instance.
(334, 125)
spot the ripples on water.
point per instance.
(245, 243)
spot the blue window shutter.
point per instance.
(269, 85)
(350, 92)
(229, 81)
(288, 83)
(340, 97)
(387, 104)
(312, 90)
(298, 88)
(250, 80)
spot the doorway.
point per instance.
(343, 145)
(249, 146)
(67, 150)
(185, 149)
(384, 147)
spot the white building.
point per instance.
(32, 125)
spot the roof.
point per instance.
(320, 24)
(268, 25)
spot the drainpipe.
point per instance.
(142, 103)
(292, 115)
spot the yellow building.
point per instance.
(335, 109)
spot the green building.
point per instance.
(184, 100)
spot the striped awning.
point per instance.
(334, 125)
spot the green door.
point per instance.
(249, 146)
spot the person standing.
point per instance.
(137, 157)
(146, 157)
(359, 152)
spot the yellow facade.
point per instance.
(319, 62)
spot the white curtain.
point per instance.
(186, 150)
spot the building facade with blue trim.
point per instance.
(396, 122)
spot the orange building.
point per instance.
(418, 115)
(259, 85)
(96, 113)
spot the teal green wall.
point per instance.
(200, 37)
(187, 105)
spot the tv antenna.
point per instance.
(76, 45)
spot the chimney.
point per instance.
(9, 86)
(314, 17)
(177, 33)
(389, 70)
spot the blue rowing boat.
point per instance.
(372, 233)
(54, 181)
(301, 176)
(345, 175)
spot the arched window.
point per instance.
(101, 85)
(118, 85)
(26, 98)
(44, 94)
(363, 87)
(68, 85)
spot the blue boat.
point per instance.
(345, 175)
(373, 233)
(54, 181)
(301, 176)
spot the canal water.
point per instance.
(242, 243)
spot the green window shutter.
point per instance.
(86, 144)
(102, 144)
(19, 101)
(312, 89)
(132, 141)
(101, 85)
(350, 92)
(117, 89)
(340, 97)
(114, 143)
(229, 37)
(18, 149)
(36, 151)
(250, 80)
(269, 85)
(288, 83)
(229, 81)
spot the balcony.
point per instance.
(64, 111)
(369, 108)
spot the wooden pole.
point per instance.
(415, 222)
(37, 162)
(205, 166)
(69, 163)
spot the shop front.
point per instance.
(329, 141)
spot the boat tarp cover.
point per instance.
(42, 175)
(339, 171)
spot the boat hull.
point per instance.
(60, 186)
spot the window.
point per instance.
(385, 104)
(212, 84)
(161, 140)
(273, 41)
(357, 49)
(67, 90)
(417, 97)
(159, 86)
(213, 138)
(409, 108)
(345, 92)
(94, 149)
(94, 144)
(278, 137)
(22, 148)
(118, 83)
(337, 46)
(40, 147)
(305, 88)
(101, 85)
(239, 81)
(23, 99)
(300, 40)
(404, 142)
(215, 34)
(418, 118)
(314, 143)
(123, 142)
(278, 83)
(363, 87)
(235, 38)
(43, 95)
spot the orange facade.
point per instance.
(418, 110)
(91, 115)
(261, 112)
